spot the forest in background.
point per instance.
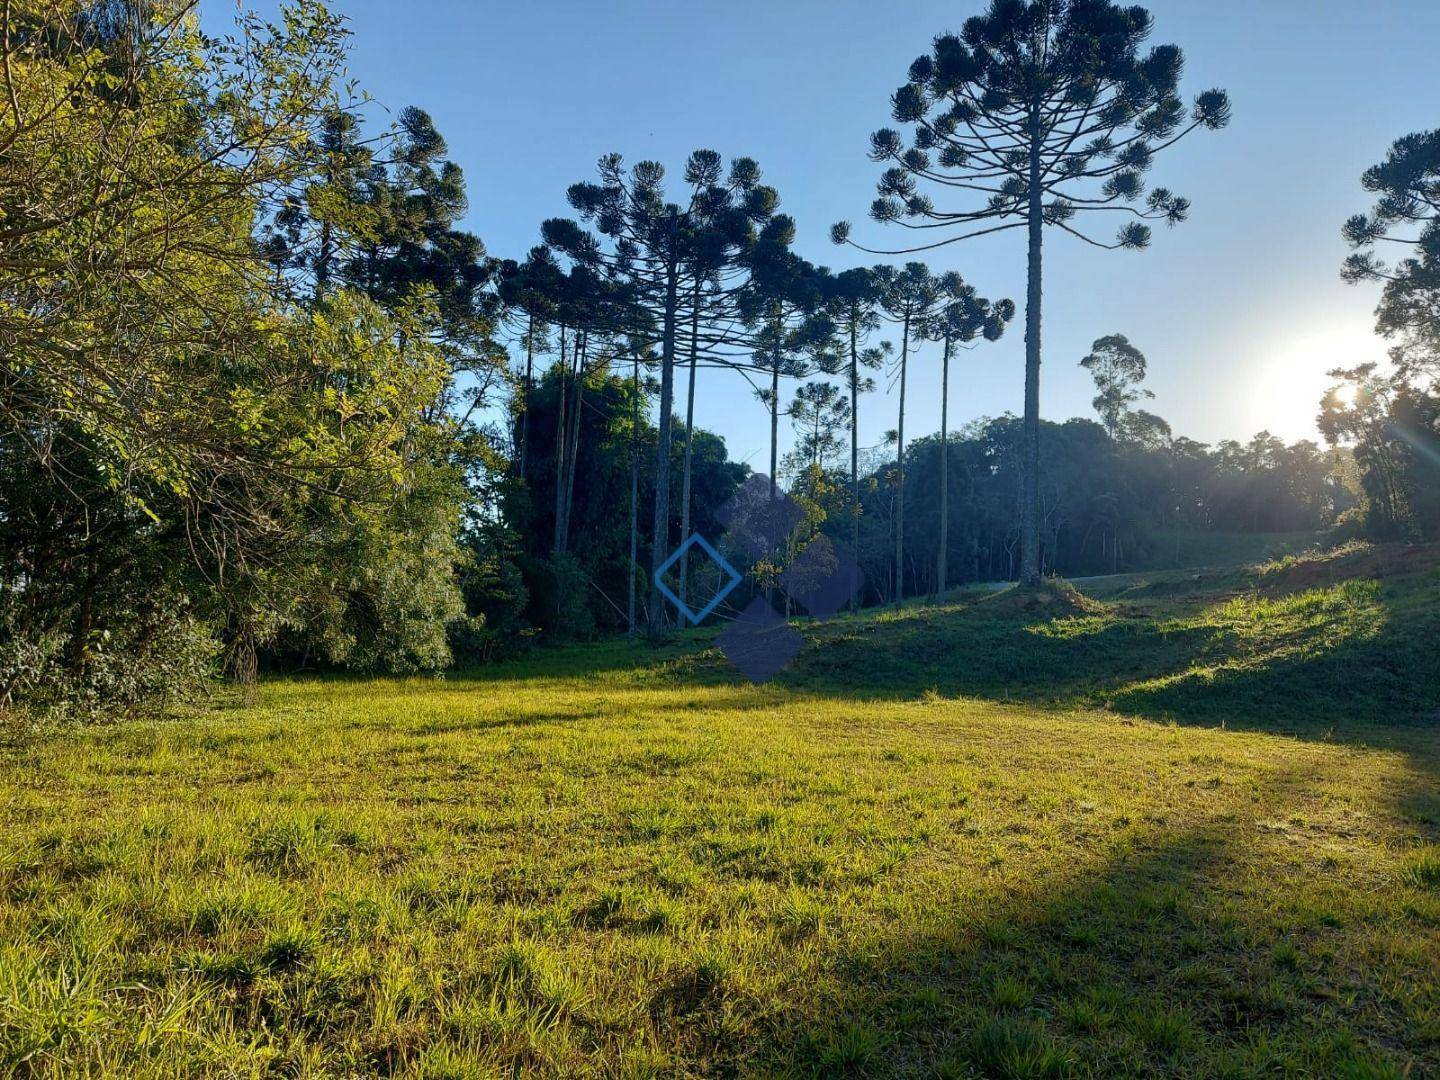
(267, 405)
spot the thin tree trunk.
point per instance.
(1030, 448)
(775, 407)
(525, 400)
(85, 618)
(689, 439)
(940, 567)
(634, 492)
(774, 428)
(243, 661)
(855, 452)
(582, 343)
(774, 431)
(900, 470)
(560, 441)
(661, 533)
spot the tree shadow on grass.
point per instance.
(1157, 961)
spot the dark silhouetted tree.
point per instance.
(651, 244)
(1406, 214)
(788, 336)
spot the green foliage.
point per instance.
(1393, 418)
(136, 651)
(1394, 429)
(588, 592)
(248, 459)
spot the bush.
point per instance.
(153, 652)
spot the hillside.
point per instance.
(1183, 823)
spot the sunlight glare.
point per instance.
(1292, 375)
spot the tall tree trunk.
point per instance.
(560, 442)
(526, 398)
(855, 451)
(900, 470)
(634, 491)
(582, 343)
(775, 405)
(689, 440)
(661, 534)
(941, 583)
(774, 430)
(1030, 448)
(774, 427)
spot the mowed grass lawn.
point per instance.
(1199, 838)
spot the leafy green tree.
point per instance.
(129, 258)
(1117, 368)
(1047, 111)
(588, 590)
(301, 441)
(379, 216)
(1360, 410)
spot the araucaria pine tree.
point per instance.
(909, 297)
(652, 245)
(852, 303)
(1043, 111)
(1406, 215)
(788, 335)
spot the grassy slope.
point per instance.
(1191, 831)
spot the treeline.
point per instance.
(1107, 505)
(264, 402)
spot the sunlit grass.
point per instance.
(602, 862)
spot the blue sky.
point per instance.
(1240, 310)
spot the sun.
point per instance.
(1292, 374)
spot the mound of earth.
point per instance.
(1053, 598)
(1349, 562)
